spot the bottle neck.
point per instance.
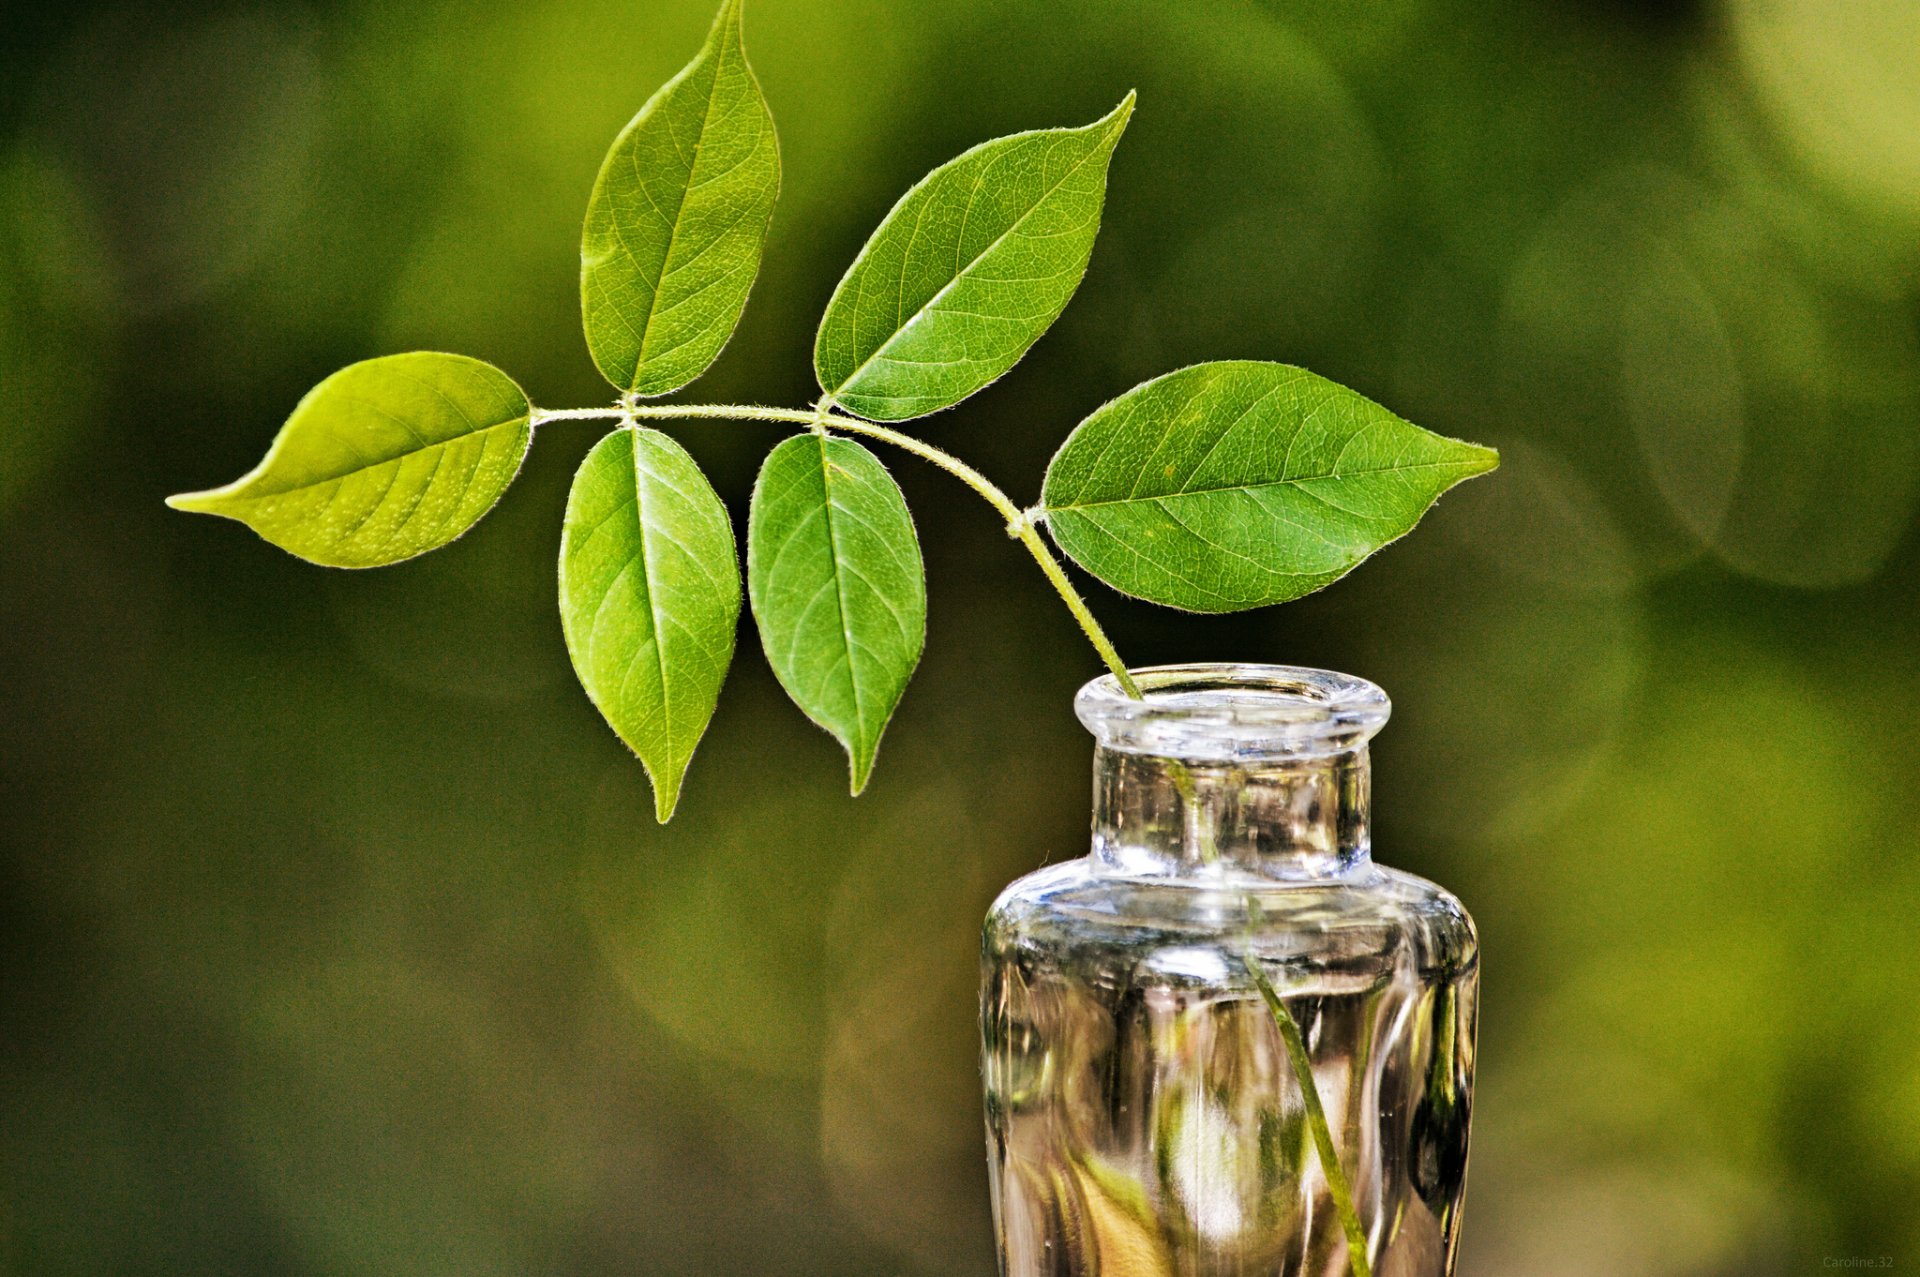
(1291, 819)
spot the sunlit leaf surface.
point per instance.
(383, 460)
(833, 566)
(967, 271)
(678, 219)
(649, 594)
(1232, 485)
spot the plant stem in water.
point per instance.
(1317, 1120)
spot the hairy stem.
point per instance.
(1019, 523)
(541, 415)
(1030, 537)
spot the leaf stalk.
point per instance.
(543, 415)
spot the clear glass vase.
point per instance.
(1227, 1042)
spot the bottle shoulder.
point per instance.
(1375, 910)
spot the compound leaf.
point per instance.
(838, 589)
(678, 219)
(649, 597)
(968, 270)
(1233, 485)
(384, 460)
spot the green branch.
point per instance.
(1019, 523)
(1214, 488)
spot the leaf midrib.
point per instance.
(673, 231)
(512, 423)
(858, 728)
(901, 328)
(1268, 483)
(654, 616)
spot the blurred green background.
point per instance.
(337, 934)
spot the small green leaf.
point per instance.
(967, 271)
(649, 597)
(384, 460)
(833, 567)
(1233, 485)
(677, 220)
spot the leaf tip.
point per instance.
(729, 25)
(194, 502)
(666, 797)
(1118, 117)
(860, 771)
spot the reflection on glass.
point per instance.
(1143, 1115)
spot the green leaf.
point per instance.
(1233, 485)
(384, 460)
(966, 272)
(833, 567)
(649, 597)
(678, 219)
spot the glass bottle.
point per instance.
(1178, 1026)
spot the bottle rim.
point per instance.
(1226, 712)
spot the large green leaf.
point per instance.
(1233, 485)
(833, 567)
(678, 219)
(383, 460)
(649, 597)
(966, 272)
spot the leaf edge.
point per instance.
(735, 9)
(1120, 116)
(858, 776)
(206, 500)
(666, 797)
(1488, 456)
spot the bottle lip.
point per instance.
(1226, 712)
